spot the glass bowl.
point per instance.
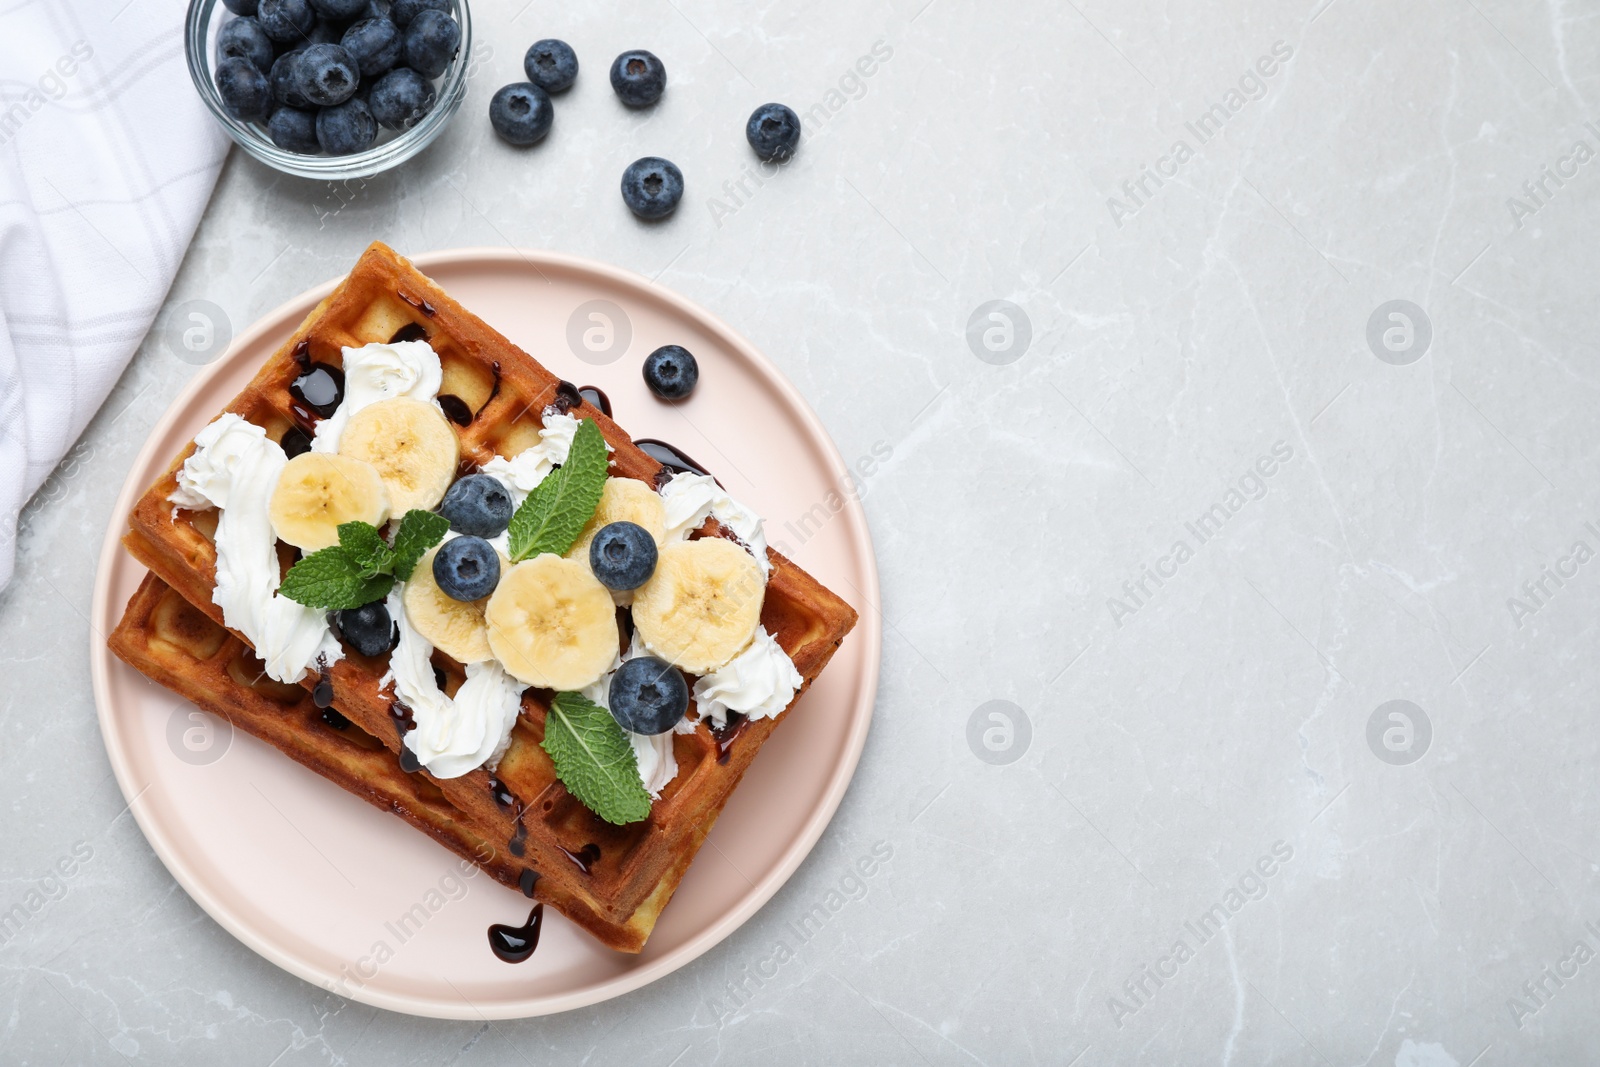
(206, 17)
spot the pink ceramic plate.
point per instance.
(350, 898)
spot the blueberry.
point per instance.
(773, 131)
(241, 7)
(286, 21)
(403, 11)
(431, 41)
(478, 505)
(648, 695)
(324, 32)
(622, 555)
(339, 10)
(326, 74)
(245, 37)
(638, 78)
(294, 129)
(466, 568)
(521, 113)
(374, 44)
(285, 83)
(400, 98)
(368, 629)
(550, 64)
(346, 128)
(243, 88)
(652, 187)
(671, 372)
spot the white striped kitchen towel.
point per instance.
(107, 157)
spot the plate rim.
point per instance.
(868, 630)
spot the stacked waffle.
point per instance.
(520, 823)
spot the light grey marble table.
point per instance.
(1198, 501)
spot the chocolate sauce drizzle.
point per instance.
(672, 460)
(728, 734)
(302, 353)
(411, 331)
(513, 944)
(404, 720)
(334, 720)
(567, 398)
(455, 409)
(322, 692)
(527, 880)
(502, 796)
(319, 389)
(295, 442)
(409, 761)
(596, 396)
(585, 857)
(421, 305)
(519, 840)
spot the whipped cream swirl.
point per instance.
(453, 736)
(377, 372)
(692, 498)
(235, 468)
(759, 682)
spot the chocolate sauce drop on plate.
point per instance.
(455, 409)
(596, 396)
(320, 388)
(411, 331)
(527, 880)
(513, 944)
(584, 857)
(519, 840)
(669, 457)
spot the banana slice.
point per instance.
(702, 605)
(552, 624)
(623, 500)
(412, 445)
(455, 627)
(316, 492)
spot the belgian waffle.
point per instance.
(613, 880)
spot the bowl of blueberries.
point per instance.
(330, 88)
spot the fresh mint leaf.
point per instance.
(419, 531)
(558, 509)
(594, 759)
(365, 547)
(332, 580)
(362, 567)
